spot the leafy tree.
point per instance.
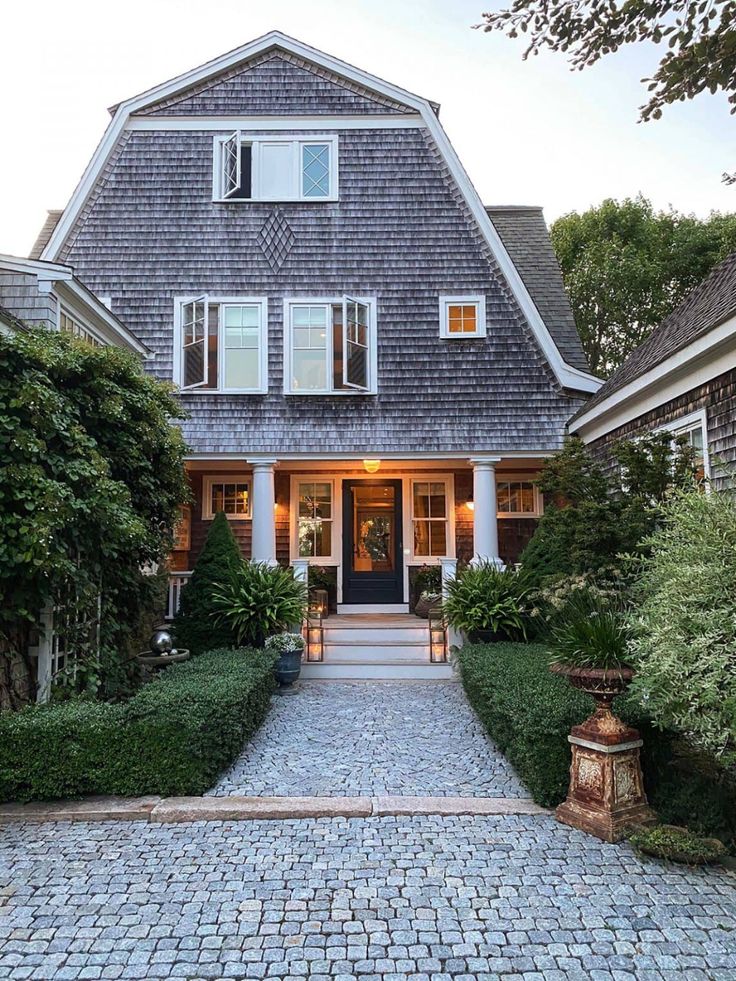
(685, 623)
(196, 626)
(592, 516)
(91, 481)
(700, 40)
(626, 267)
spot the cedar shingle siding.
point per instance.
(400, 232)
(718, 398)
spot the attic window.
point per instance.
(260, 169)
(462, 316)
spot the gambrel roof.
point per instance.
(545, 316)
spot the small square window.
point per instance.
(462, 316)
(231, 495)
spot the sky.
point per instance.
(527, 132)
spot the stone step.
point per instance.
(375, 652)
(414, 670)
(335, 634)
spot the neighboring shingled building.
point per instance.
(681, 378)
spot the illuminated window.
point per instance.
(462, 316)
(517, 499)
(314, 528)
(228, 495)
(429, 517)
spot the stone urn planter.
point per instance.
(289, 648)
(606, 795)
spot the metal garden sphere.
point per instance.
(161, 642)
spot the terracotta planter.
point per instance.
(606, 795)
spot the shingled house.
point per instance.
(374, 363)
(682, 379)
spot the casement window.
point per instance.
(462, 316)
(314, 518)
(330, 346)
(430, 513)
(228, 494)
(518, 498)
(69, 324)
(222, 344)
(270, 169)
(692, 429)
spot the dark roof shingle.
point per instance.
(705, 308)
(525, 236)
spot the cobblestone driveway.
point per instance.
(380, 898)
(367, 739)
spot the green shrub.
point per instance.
(195, 625)
(677, 845)
(591, 632)
(684, 643)
(528, 713)
(172, 738)
(257, 600)
(483, 597)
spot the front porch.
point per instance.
(372, 533)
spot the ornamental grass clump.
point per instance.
(485, 599)
(591, 632)
(258, 600)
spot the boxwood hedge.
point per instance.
(528, 713)
(173, 737)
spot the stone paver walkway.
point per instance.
(375, 899)
(366, 739)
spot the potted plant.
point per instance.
(289, 648)
(258, 600)
(487, 604)
(590, 648)
(427, 601)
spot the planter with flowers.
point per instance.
(289, 648)
(590, 649)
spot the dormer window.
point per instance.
(268, 169)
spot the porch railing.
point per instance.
(177, 580)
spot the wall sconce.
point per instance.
(371, 466)
(470, 503)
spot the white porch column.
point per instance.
(263, 547)
(485, 510)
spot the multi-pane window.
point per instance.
(183, 529)
(429, 517)
(70, 325)
(314, 519)
(272, 169)
(223, 344)
(329, 346)
(462, 316)
(517, 498)
(692, 432)
(230, 496)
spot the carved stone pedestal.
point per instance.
(606, 794)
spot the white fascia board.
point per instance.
(568, 376)
(705, 358)
(77, 297)
(51, 272)
(272, 124)
(462, 458)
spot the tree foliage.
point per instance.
(699, 40)
(195, 625)
(91, 480)
(626, 267)
(591, 516)
(684, 645)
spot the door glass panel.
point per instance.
(374, 529)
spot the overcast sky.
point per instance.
(528, 132)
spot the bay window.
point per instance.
(222, 344)
(330, 346)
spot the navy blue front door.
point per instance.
(372, 545)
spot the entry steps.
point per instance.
(376, 646)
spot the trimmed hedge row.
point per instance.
(172, 738)
(528, 713)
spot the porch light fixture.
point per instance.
(470, 503)
(371, 466)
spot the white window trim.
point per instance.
(221, 301)
(506, 478)
(334, 559)
(477, 300)
(256, 142)
(227, 478)
(676, 427)
(410, 558)
(370, 302)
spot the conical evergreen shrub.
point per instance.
(195, 626)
